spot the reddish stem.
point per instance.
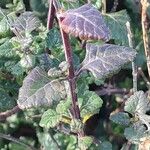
(71, 75)
(4, 115)
(51, 15)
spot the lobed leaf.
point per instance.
(50, 119)
(105, 146)
(120, 118)
(85, 142)
(117, 25)
(86, 22)
(90, 103)
(63, 106)
(26, 22)
(37, 90)
(137, 103)
(134, 135)
(106, 59)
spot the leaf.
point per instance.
(134, 135)
(105, 146)
(50, 119)
(90, 103)
(106, 59)
(53, 39)
(137, 103)
(6, 50)
(85, 142)
(117, 24)
(27, 61)
(4, 28)
(38, 90)
(6, 102)
(120, 118)
(86, 22)
(46, 141)
(26, 22)
(63, 106)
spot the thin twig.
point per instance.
(111, 91)
(144, 22)
(4, 115)
(140, 71)
(10, 138)
(134, 67)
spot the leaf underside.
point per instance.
(38, 90)
(105, 60)
(86, 23)
(26, 22)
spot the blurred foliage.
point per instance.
(35, 46)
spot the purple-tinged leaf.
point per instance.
(106, 59)
(38, 90)
(26, 22)
(86, 23)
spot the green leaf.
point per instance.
(53, 39)
(90, 103)
(105, 60)
(105, 146)
(117, 24)
(27, 61)
(6, 102)
(120, 118)
(134, 135)
(85, 142)
(6, 50)
(38, 90)
(4, 28)
(46, 141)
(63, 106)
(137, 103)
(50, 119)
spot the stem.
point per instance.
(145, 27)
(134, 68)
(71, 75)
(10, 138)
(140, 71)
(104, 6)
(4, 115)
(51, 15)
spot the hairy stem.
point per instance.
(134, 67)
(10, 138)
(71, 75)
(51, 15)
(4, 115)
(145, 27)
